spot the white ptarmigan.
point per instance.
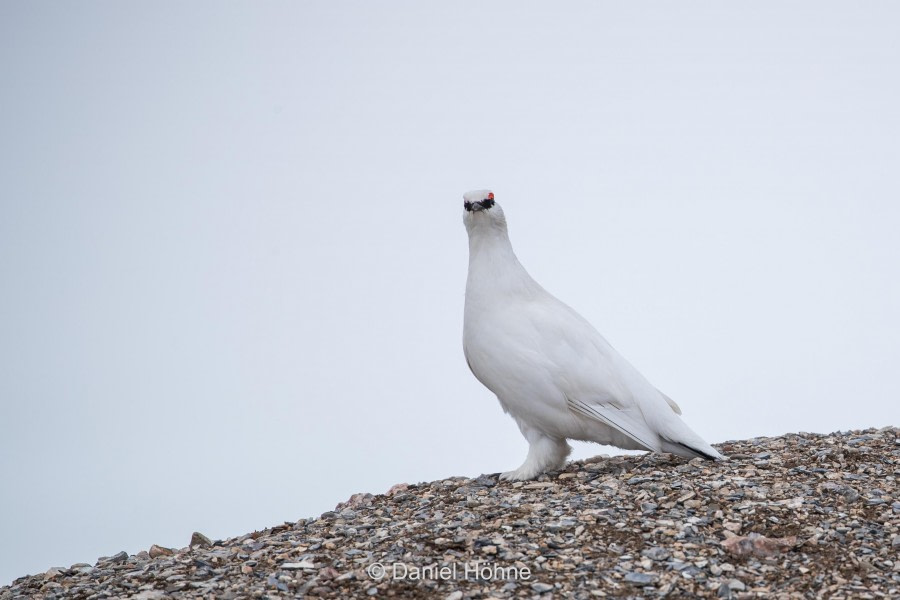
(551, 370)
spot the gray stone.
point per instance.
(293, 566)
(157, 551)
(115, 558)
(656, 553)
(641, 578)
(198, 539)
(737, 585)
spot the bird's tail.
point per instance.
(677, 438)
(693, 450)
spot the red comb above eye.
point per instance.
(491, 196)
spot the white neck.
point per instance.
(493, 266)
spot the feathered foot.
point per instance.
(545, 453)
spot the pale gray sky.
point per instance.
(233, 263)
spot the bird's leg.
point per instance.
(545, 453)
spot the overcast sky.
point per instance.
(233, 264)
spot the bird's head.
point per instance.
(480, 210)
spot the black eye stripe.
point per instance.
(485, 204)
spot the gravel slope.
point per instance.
(798, 516)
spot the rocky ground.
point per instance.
(798, 516)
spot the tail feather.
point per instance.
(682, 449)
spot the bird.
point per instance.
(552, 371)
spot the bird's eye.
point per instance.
(491, 196)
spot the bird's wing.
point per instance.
(671, 402)
(596, 381)
(629, 420)
(599, 384)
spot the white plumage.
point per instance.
(551, 370)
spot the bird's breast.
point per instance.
(504, 350)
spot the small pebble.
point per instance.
(198, 539)
(640, 578)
